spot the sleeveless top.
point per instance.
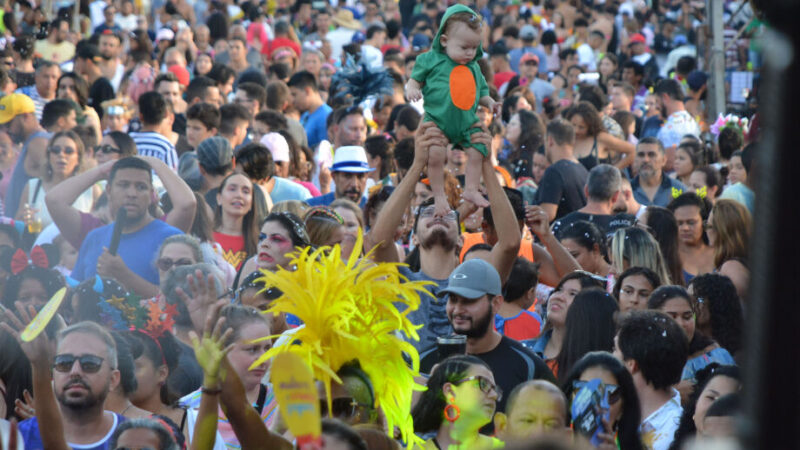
(592, 159)
(36, 195)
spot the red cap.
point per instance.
(637, 38)
(277, 43)
(181, 73)
(528, 57)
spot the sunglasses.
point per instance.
(106, 149)
(484, 385)
(56, 150)
(89, 363)
(341, 408)
(166, 263)
(614, 393)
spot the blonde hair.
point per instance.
(321, 222)
(350, 205)
(638, 248)
(732, 224)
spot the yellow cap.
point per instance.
(12, 105)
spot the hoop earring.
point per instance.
(452, 413)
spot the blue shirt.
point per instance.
(327, 199)
(431, 314)
(138, 250)
(742, 194)
(29, 429)
(284, 189)
(663, 194)
(315, 124)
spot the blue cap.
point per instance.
(420, 42)
(358, 38)
(679, 40)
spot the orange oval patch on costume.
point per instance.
(462, 88)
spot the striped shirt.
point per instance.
(38, 101)
(150, 143)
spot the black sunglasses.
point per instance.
(89, 363)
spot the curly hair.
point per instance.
(726, 317)
(589, 114)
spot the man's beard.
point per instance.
(351, 194)
(89, 401)
(438, 236)
(477, 329)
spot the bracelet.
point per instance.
(209, 391)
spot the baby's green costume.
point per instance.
(451, 91)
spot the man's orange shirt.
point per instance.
(470, 239)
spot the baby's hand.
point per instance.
(413, 92)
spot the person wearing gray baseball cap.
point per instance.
(474, 293)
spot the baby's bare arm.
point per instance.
(413, 92)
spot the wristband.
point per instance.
(210, 391)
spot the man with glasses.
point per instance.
(439, 238)
(84, 371)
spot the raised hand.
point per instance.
(202, 294)
(40, 351)
(26, 409)
(209, 351)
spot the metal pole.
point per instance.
(716, 63)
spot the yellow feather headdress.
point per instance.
(348, 312)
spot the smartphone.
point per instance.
(589, 408)
(591, 77)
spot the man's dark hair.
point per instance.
(221, 73)
(56, 23)
(230, 116)
(280, 71)
(197, 88)
(593, 94)
(747, 155)
(511, 31)
(603, 182)
(152, 108)
(685, 65)
(524, 277)
(637, 68)
(205, 113)
(255, 160)
(168, 76)
(166, 440)
(580, 22)
(561, 131)
(408, 117)
(404, 153)
(564, 54)
(375, 29)
(274, 120)
(130, 162)
(517, 204)
(597, 33)
(254, 92)
(651, 140)
(277, 95)
(302, 80)
(672, 88)
(340, 431)
(252, 75)
(342, 112)
(657, 344)
(56, 109)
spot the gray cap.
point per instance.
(527, 33)
(214, 152)
(473, 279)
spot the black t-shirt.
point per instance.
(511, 363)
(562, 185)
(607, 223)
(100, 91)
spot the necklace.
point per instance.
(126, 409)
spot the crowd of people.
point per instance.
(544, 175)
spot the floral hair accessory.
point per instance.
(740, 124)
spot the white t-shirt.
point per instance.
(658, 429)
